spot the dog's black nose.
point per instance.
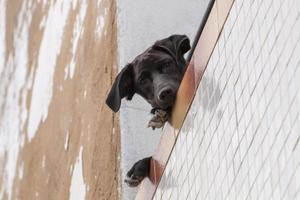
(165, 94)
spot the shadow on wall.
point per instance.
(208, 99)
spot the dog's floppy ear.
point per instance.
(176, 46)
(182, 45)
(122, 87)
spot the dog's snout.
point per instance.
(165, 94)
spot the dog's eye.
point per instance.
(143, 81)
(166, 68)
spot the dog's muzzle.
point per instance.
(166, 97)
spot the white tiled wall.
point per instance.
(240, 139)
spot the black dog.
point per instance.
(155, 75)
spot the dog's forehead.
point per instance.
(149, 59)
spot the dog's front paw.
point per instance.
(138, 172)
(159, 118)
(132, 181)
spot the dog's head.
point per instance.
(154, 74)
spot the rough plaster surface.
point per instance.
(58, 139)
(140, 24)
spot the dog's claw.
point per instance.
(153, 123)
(159, 119)
(138, 172)
(132, 182)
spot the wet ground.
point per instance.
(58, 140)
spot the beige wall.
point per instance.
(58, 138)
